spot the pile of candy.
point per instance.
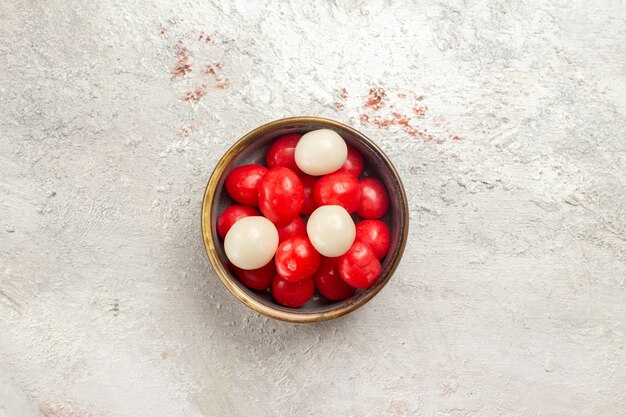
(268, 239)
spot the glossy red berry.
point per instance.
(359, 267)
(374, 200)
(375, 234)
(256, 279)
(329, 283)
(338, 188)
(292, 294)
(296, 259)
(281, 195)
(242, 183)
(353, 164)
(230, 215)
(281, 152)
(295, 227)
(308, 182)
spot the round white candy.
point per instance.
(331, 230)
(321, 152)
(251, 242)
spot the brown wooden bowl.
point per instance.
(251, 148)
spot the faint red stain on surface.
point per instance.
(396, 119)
(420, 111)
(404, 109)
(377, 121)
(204, 37)
(403, 95)
(182, 53)
(341, 101)
(223, 85)
(209, 70)
(187, 130)
(196, 72)
(195, 94)
(404, 121)
(214, 70)
(375, 98)
(400, 119)
(181, 70)
(439, 120)
(183, 67)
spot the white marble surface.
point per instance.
(509, 132)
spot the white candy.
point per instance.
(251, 242)
(321, 152)
(331, 230)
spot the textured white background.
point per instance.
(509, 132)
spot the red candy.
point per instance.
(230, 215)
(256, 279)
(375, 234)
(242, 183)
(374, 200)
(329, 283)
(296, 227)
(292, 294)
(359, 267)
(281, 195)
(281, 153)
(338, 188)
(308, 182)
(353, 164)
(296, 259)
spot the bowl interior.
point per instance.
(253, 150)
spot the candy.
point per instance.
(321, 152)
(251, 242)
(281, 152)
(359, 267)
(338, 188)
(230, 217)
(374, 200)
(281, 195)
(292, 294)
(275, 246)
(375, 234)
(353, 164)
(296, 259)
(257, 279)
(242, 183)
(329, 283)
(331, 230)
(308, 182)
(295, 227)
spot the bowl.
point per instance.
(251, 148)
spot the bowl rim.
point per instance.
(223, 273)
